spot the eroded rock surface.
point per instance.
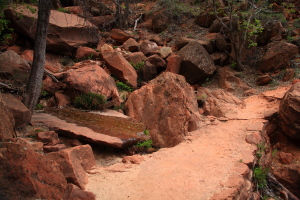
(168, 108)
(196, 63)
(26, 174)
(92, 78)
(7, 123)
(74, 162)
(19, 111)
(289, 112)
(109, 131)
(66, 32)
(277, 56)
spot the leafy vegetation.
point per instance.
(123, 87)
(90, 101)
(260, 177)
(260, 149)
(147, 144)
(64, 10)
(137, 66)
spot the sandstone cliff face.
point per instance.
(168, 108)
(25, 174)
(289, 112)
(7, 123)
(66, 32)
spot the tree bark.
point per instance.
(33, 88)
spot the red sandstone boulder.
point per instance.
(52, 62)
(136, 58)
(62, 99)
(196, 63)
(54, 147)
(74, 162)
(49, 137)
(121, 68)
(50, 86)
(277, 56)
(270, 30)
(229, 82)
(286, 158)
(85, 52)
(7, 123)
(289, 112)
(148, 47)
(158, 62)
(19, 111)
(289, 175)
(222, 44)
(147, 72)
(26, 174)
(75, 193)
(182, 41)
(289, 74)
(119, 35)
(219, 58)
(216, 26)
(165, 52)
(217, 102)
(173, 64)
(160, 22)
(131, 45)
(167, 106)
(263, 80)
(13, 67)
(66, 32)
(16, 49)
(205, 19)
(92, 78)
(102, 21)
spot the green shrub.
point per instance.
(64, 10)
(123, 87)
(260, 177)
(90, 101)
(137, 66)
(147, 144)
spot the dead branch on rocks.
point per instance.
(51, 76)
(136, 21)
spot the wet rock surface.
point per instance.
(105, 130)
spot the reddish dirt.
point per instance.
(199, 167)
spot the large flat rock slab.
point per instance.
(105, 130)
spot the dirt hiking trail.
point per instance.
(211, 163)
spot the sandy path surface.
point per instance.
(197, 168)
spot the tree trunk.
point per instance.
(33, 88)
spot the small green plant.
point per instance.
(90, 101)
(123, 87)
(64, 10)
(147, 144)
(44, 93)
(233, 65)
(137, 66)
(274, 153)
(39, 106)
(296, 23)
(146, 132)
(66, 61)
(90, 57)
(260, 149)
(241, 160)
(202, 97)
(260, 177)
